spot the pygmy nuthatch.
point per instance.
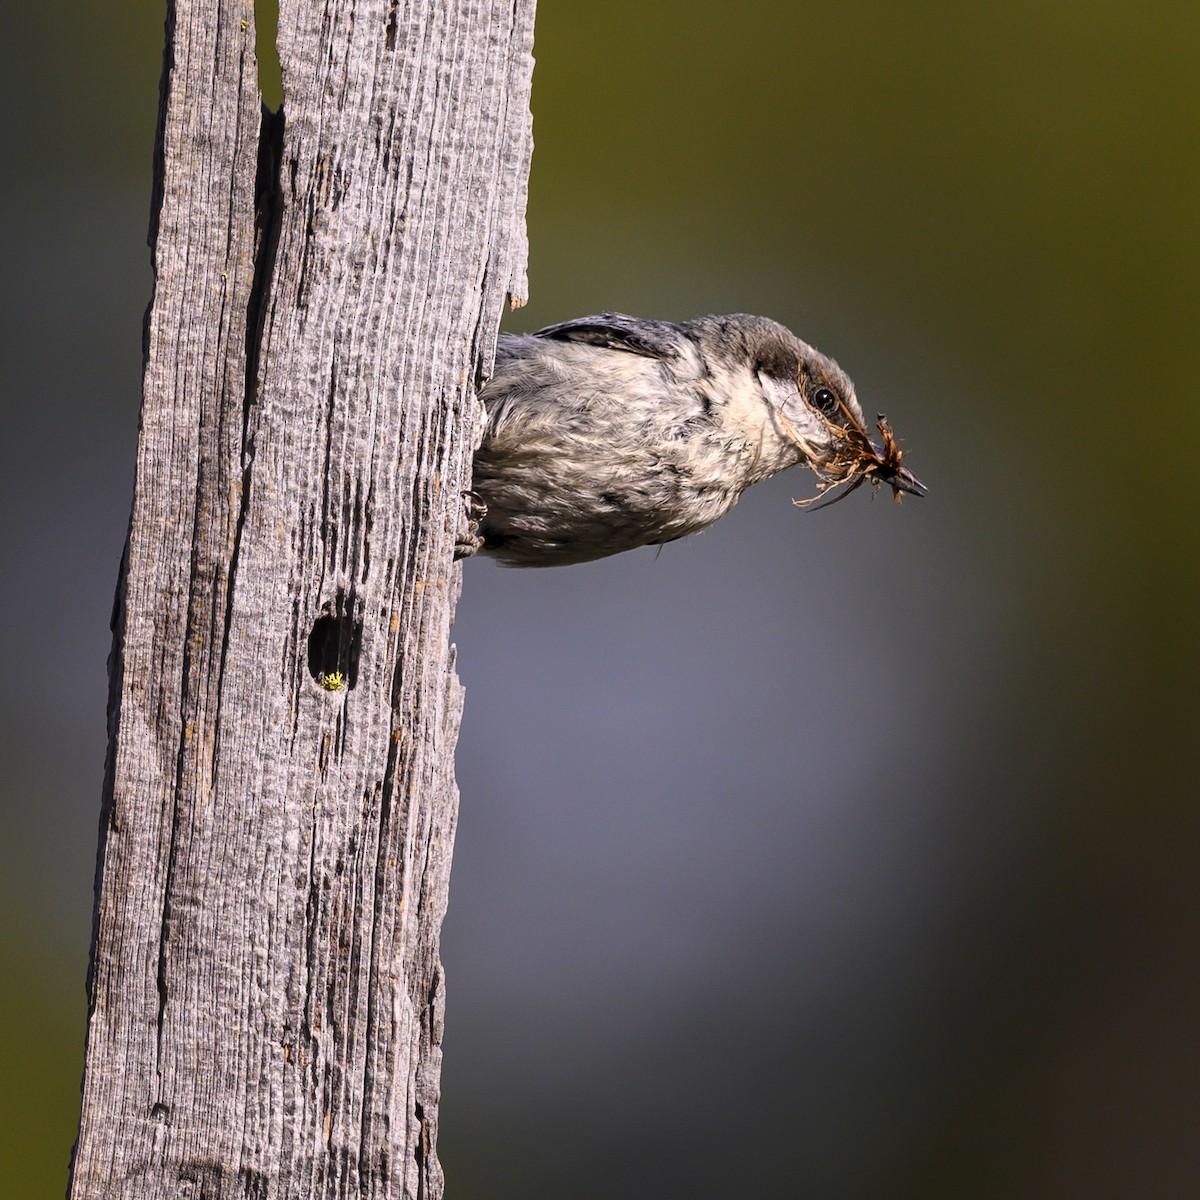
(611, 432)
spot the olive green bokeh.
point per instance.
(988, 214)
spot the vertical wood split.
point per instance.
(265, 991)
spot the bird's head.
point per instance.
(845, 453)
(813, 406)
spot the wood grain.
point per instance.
(266, 995)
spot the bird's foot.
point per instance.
(469, 539)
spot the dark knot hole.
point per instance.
(333, 650)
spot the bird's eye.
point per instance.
(825, 402)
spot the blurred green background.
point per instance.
(851, 854)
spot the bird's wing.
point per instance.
(653, 339)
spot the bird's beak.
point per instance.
(861, 461)
(887, 468)
(902, 480)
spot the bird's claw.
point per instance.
(468, 540)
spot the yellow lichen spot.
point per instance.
(335, 681)
(245, 26)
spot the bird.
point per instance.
(609, 432)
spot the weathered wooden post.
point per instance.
(265, 992)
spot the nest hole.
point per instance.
(333, 650)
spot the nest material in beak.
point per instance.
(857, 460)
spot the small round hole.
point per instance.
(333, 649)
